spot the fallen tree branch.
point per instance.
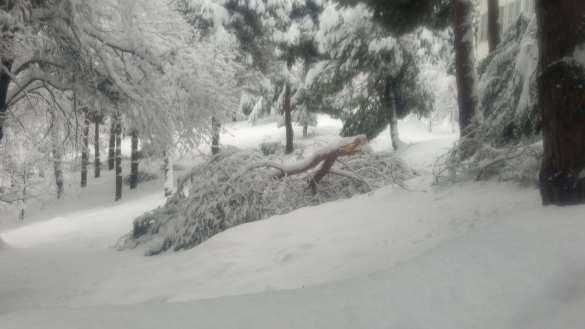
(325, 156)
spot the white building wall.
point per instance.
(510, 10)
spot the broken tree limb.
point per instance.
(325, 156)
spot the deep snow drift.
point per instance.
(470, 255)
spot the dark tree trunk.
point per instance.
(391, 105)
(96, 143)
(135, 159)
(215, 130)
(287, 109)
(493, 24)
(562, 101)
(168, 174)
(118, 194)
(305, 130)
(112, 145)
(4, 83)
(465, 66)
(85, 148)
(57, 156)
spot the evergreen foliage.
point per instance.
(507, 88)
(362, 58)
(404, 16)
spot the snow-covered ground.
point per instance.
(471, 255)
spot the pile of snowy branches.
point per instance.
(517, 163)
(240, 186)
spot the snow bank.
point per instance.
(229, 190)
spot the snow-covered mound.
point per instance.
(225, 191)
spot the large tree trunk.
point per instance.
(287, 109)
(96, 143)
(562, 101)
(57, 156)
(118, 193)
(112, 145)
(4, 83)
(85, 148)
(465, 66)
(493, 24)
(215, 130)
(134, 159)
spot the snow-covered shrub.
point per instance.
(519, 163)
(270, 148)
(143, 177)
(224, 192)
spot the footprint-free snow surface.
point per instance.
(469, 255)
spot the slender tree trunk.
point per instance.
(135, 159)
(21, 204)
(118, 194)
(493, 24)
(287, 109)
(96, 142)
(305, 130)
(562, 100)
(85, 148)
(215, 128)
(57, 157)
(391, 105)
(112, 145)
(4, 83)
(168, 174)
(465, 66)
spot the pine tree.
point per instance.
(370, 78)
(561, 37)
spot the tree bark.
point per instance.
(562, 101)
(4, 83)
(493, 24)
(287, 109)
(21, 204)
(168, 174)
(215, 130)
(391, 105)
(118, 162)
(85, 148)
(96, 143)
(465, 66)
(135, 159)
(57, 157)
(112, 145)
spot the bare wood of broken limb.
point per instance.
(325, 156)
